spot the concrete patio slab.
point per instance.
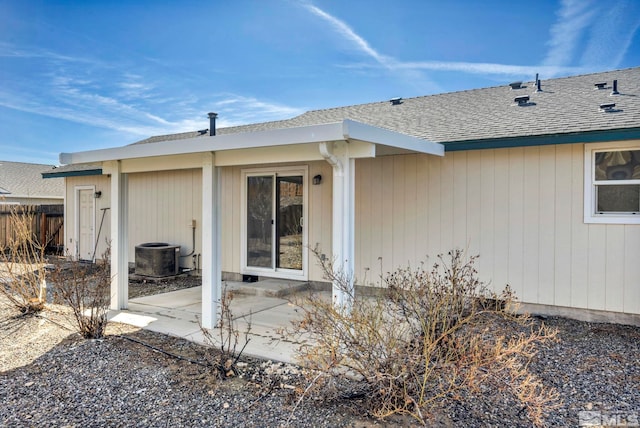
(176, 313)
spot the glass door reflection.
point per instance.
(260, 221)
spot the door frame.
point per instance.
(275, 272)
(76, 192)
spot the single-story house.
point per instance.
(540, 178)
(22, 184)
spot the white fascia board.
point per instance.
(360, 131)
(270, 138)
(339, 131)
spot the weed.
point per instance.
(22, 267)
(85, 288)
(227, 340)
(428, 335)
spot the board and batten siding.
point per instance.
(162, 206)
(520, 209)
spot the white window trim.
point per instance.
(590, 214)
(302, 275)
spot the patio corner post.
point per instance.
(211, 246)
(119, 236)
(343, 236)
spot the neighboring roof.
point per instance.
(566, 107)
(74, 170)
(24, 180)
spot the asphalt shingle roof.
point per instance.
(21, 179)
(565, 105)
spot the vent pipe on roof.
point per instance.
(615, 88)
(538, 85)
(212, 123)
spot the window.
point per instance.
(612, 184)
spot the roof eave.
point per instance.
(339, 131)
(543, 140)
(97, 171)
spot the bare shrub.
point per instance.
(225, 342)
(22, 267)
(428, 335)
(85, 288)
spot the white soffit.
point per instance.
(340, 131)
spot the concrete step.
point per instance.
(267, 287)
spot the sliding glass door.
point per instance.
(274, 221)
(260, 221)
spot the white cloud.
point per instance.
(574, 17)
(611, 34)
(409, 74)
(486, 68)
(111, 97)
(412, 69)
(343, 29)
(594, 34)
(610, 28)
(238, 110)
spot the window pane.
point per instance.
(289, 222)
(259, 221)
(623, 198)
(618, 165)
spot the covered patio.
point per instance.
(339, 144)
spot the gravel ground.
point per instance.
(140, 286)
(49, 376)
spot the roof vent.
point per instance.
(600, 85)
(212, 124)
(516, 85)
(395, 101)
(538, 85)
(615, 88)
(522, 101)
(203, 131)
(607, 107)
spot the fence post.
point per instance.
(43, 229)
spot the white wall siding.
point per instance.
(161, 208)
(520, 209)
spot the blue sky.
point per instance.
(83, 75)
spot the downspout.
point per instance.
(331, 158)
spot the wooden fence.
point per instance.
(47, 224)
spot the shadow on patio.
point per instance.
(176, 313)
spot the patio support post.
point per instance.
(343, 236)
(119, 238)
(211, 236)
